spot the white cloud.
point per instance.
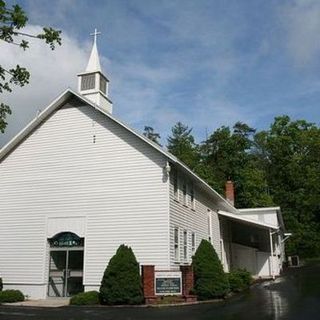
(301, 22)
(51, 73)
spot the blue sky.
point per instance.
(206, 63)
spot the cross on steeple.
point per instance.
(95, 34)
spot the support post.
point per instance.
(271, 252)
(148, 284)
(187, 283)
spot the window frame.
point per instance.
(193, 242)
(192, 197)
(175, 185)
(185, 245)
(176, 244)
(185, 192)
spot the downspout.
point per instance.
(166, 173)
(271, 249)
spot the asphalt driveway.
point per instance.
(295, 296)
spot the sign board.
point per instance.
(168, 283)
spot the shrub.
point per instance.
(121, 282)
(210, 279)
(239, 279)
(11, 296)
(85, 298)
(1, 284)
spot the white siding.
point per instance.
(261, 216)
(185, 218)
(80, 163)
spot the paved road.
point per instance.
(296, 296)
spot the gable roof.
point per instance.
(68, 94)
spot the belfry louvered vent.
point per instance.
(88, 82)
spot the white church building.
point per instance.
(77, 182)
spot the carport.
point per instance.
(252, 245)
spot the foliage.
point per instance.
(152, 135)
(12, 20)
(239, 280)
(11, 296)
(1, 284)
(210, 280)
(85, 298)
(121, 282)
(182, 145)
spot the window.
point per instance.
(175, 185)
(193, 243)
(184, 191)
(88, 81)
(176, 244)
(192, 199)
(185, 245)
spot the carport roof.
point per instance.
(239, 218)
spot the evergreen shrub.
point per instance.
(85, 298)
(239, 280)
(11, 296)
(121, 282)
(210, 280)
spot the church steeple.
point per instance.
(92, 83)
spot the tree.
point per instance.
(290, 151)
(181, 144)
(210, 280)
(12, 20)
(151, 134)
(252, 188)
(225, 153)
(121, 282)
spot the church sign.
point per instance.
(167, 283)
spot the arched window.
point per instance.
(66, 239)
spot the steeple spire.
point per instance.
(93, 84)
(94, 61)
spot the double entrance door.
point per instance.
(65, 272)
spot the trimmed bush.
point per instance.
(11, 296)
(121, 282)
(239, 280)
(1, 284)
(85, 298)
(210, 280)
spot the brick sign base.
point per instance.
(148, 280)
